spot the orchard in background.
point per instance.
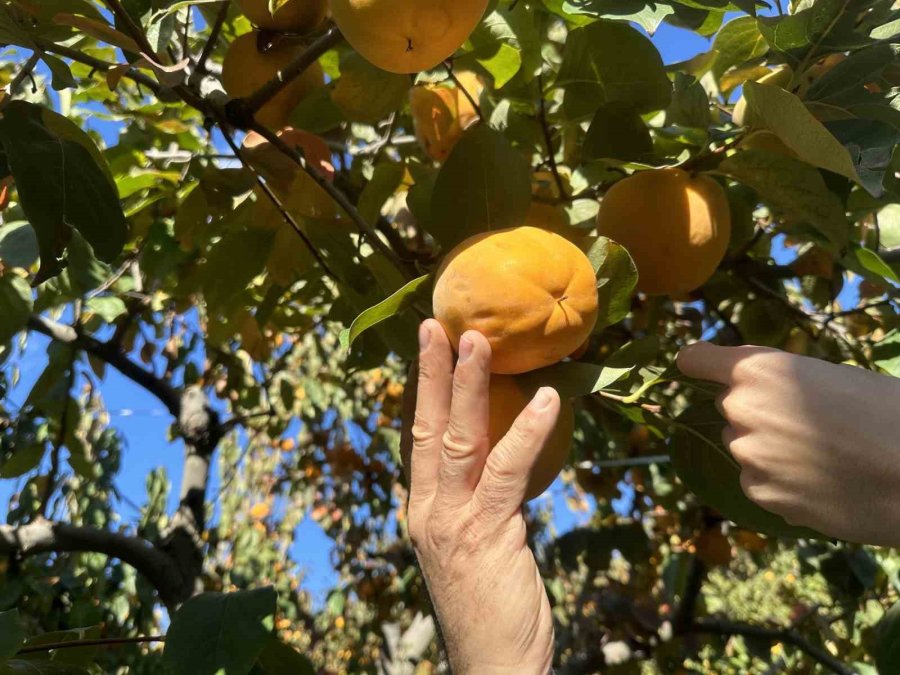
(246, 208)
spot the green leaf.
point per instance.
(18, 245)
(23, 457)
(609, 61)
(737, 42)
(61, 185)
(617, 277)
(886, 353)
(365, 93)
(220, 632)
(73, 657)
(60, 73)
(23, 667)
(648, 16)
(12, 634)
(383, 311)
(887, 643)
(16, 305)
(384, 183)
(690, 103)
(505, 42)
(781, 112)
(821, 27)
(278, 658)
(870, 144)
(867, 260)
(572, 380)
(792, 187)
(617, 132)
(852, 74)
(706, 468)
(107, 308)
(494, 179)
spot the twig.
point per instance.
(98, 64)
(288, 218)
(338, 196)
(727, 628)
(548, 140)
(133, 30)
(213, 38)
(251, 105)
(449, 66)
(98, 642)
(24, 73)
(112, 354)
(649, 407)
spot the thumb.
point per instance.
(504, 481)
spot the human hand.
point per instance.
(465, 510)
(817, 442)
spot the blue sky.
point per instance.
(143, 422)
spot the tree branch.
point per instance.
(98, 642)
(100, 65)
(213, 38)
(112, 355)
(729, 628)
(130, 27)
(548, 140)
(44, 536)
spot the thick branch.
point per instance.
(109, 353)
(251, 105)
(727, 628)
(183, 541)
(44, 536)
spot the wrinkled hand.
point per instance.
(465, 510)
(817, 442)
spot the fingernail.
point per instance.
(466, 346)
(424, 338)
(542, 399)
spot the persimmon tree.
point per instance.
(258, 262)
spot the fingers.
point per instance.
(432, 409)
(707, 361)
(504, 482)
(466, 443)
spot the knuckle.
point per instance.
(460, 443)
(423, 430)
(500, 470)
(743, 453)
(751, 368)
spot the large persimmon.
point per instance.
(530, 292)
(292, 16)
(676, 227)
(508, 398)
(406, 36)
(249, 64)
